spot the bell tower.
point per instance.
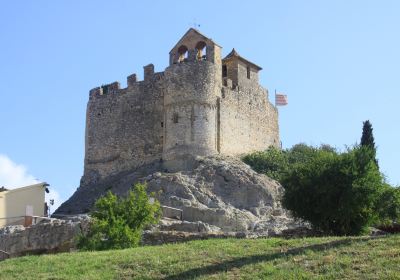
(193, 85)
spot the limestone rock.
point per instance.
(185, 226)
(222, 192)
(48, 236)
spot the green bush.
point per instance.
(272, 162)
(119, 222)
(337, 193)
(388, 206)
(276, 163)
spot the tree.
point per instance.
(367, 139)
(337, 192)
(275, 163)
(272, 162)
(119, 222)
(388, 206)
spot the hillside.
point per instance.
(274, 258)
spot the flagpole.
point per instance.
(275, 97)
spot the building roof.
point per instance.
(43, 184)
(195, 31)
(234, 54)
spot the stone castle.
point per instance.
(201, 104)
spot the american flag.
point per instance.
(281, 99)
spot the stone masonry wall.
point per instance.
(184, 110)
(190, 105)
(124, 127)
(248, 121)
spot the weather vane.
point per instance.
(195, 24)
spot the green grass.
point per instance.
(275, 258)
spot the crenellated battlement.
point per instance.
(115, 88)
(106, 89)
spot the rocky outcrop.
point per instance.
(56, 235)
(48, 236)
(222, 192)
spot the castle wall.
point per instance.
(187, 110)
(124, 126)
(248, 121)
(182, 111)
(190, 106)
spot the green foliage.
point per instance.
(367, 138)
(276, 163)
(388, 206)
(118, 222)
(337, 193)
(272, 162)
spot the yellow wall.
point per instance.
(13, 203)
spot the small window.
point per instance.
(162, 124)
(248, 72)
(224, 71)
(175, 117)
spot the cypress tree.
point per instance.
(367, 138)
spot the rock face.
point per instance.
(214, 197)
(48, 236)
(221, 192)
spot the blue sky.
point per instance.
(338, 62)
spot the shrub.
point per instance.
(388, 206)
(275, 163)
(337, 193)
(272, 162)
(118, 222)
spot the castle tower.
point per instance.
(193, 85)
(239, 70)
(200, 105)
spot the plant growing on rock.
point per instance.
(119, 222)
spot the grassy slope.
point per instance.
(327, 258)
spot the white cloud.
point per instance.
(13, 175)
